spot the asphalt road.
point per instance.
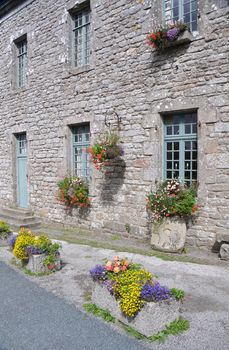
(33, 319)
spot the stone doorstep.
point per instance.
(151, 319)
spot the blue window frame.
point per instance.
(80, 144)
(181, 10)
(180, 147)
(81, 37)
(21, 62)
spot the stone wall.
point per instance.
(139, 84)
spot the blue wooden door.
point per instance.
(22, 190)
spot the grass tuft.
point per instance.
(97, 311)
(173, 328)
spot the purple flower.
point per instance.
(109, 285)
(155, 292)
(12, 241)
(31, 250)
(98, 273)
(172, 34)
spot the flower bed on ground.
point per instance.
(39, 252)
(134, 296)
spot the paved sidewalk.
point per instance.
(207, 288)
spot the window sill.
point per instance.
(77, 70)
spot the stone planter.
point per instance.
(169, 235)
(36, 263)
(151, 319)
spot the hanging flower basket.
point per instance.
(105, 150)
(73, 192)
(169, 35)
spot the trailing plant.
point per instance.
(104, 150)
(170, 199)
(95, 310)
(12, 241)
(73, 192)
(162, 36)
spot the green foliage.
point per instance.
(170, 199)
(173, 328)
(178, 294)
(130, 330)
(73, 192)
(36, 274)
(95, 310)
(4, 229)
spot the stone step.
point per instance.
(16, 211)
(17, 217)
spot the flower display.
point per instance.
(27, 244)
(170, 199)
(161, 37)
(104, 150)
(73, 192)
(131, 285)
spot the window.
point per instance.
(180, 147)
(81, 37)
(80, 143)
(181, 10)
(21, 64)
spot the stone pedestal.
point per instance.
(151, 319)
(169, 235)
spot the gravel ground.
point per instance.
(206, 305)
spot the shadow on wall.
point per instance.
(112, 180)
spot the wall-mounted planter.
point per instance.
(185, 37)
(151, 319)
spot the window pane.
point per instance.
(81, 139)
(81, 33)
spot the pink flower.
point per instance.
(116, 258)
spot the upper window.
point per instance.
(80, 144)
(181, 10)
(180, 147)
(21, 48)
(81, 37)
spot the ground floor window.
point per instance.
(180, 147)
(80, 144)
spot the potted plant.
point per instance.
(169, 35)
(5, 233)
(105, 150)
(37, 253)
(73, 192)
(170, 206)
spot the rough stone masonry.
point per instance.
(126, 76)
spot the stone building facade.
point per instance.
(120, 76)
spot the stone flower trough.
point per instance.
(151, 319)
(36, 263)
